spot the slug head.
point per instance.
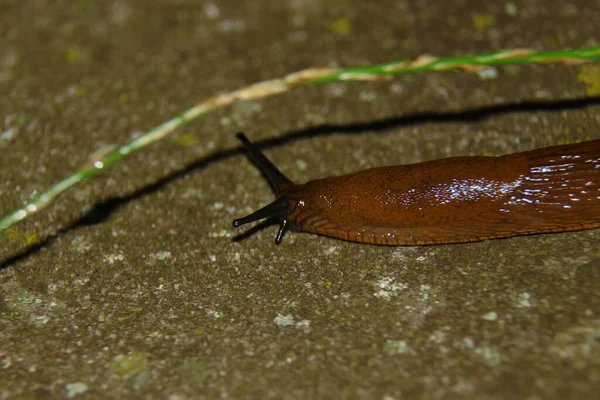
(279, 182)
(279, 208)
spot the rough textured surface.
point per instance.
(134, 286)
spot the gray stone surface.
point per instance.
(148, 294)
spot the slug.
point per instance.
(451, 200)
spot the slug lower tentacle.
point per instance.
(452, 200)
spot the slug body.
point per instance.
(452, 200)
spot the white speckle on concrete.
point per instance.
(284, 320)
(336, 90)
(80, 244)
(394, 347)
(73, 389)
(192, 193)
(329, 250)
(524, 300)
(367, 96)
(510, 9)
(211, 11)
(40, 320)
(232, 25)
(111, 258)
(161, 255)
(425, 292)
(7, 135)
(438, 336)
(388, 288)
(301, 165)
(491, 316)
(220, 234)
(487, 74)
(305, 323)
(467, 343)
(489, 354)
(396, 87)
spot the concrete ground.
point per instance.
(132, 284)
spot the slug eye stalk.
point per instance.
(279, 182)
(278, 208)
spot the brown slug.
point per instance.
(451, 200)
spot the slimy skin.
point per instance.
(452, 200)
